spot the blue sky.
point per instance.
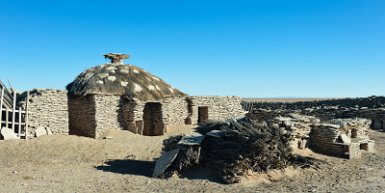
(260, 48)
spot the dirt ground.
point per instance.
(58, 163)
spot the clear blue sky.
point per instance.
(259, 48)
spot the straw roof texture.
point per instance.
(123, 80)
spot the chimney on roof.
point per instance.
(116, 58)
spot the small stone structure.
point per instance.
(342, 137)
(123, 97)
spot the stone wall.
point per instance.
(341, 137)
(108, 114)
(220, 108)
(98, 113)
(82, 116)
(174, 111)
(48, 109)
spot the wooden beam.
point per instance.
(19, 126)
(26, 116)
(7, 118)
(14, 111)
(1, 106)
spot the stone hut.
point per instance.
(125, 97)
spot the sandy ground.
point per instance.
(77, 164)
(283, 100)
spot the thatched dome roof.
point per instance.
(123, 80)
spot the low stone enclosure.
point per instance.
(345, 138)
(93, 115)
(342, 138)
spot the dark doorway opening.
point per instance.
(203, 115)
(382, 125)
(153, 120)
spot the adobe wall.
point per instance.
(49, 109)
(220, 108)
(82, 116)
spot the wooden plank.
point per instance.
(190, 140)
(16, 123)
(6, 118)
(1, 106)
(26, 116)
(14, 111)
(19, 126)
(164, 162)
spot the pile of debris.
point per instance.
(231, 149)
(299, 127)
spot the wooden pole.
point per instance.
(6, 118)
(26, 116)
(14, 111)
(19, 128)
(1, 107)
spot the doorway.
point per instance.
(153, 124)
(203, 115)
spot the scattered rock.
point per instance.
(345, 139)
(49, 132)
(111, 78)
(40, 131)
(103, 75)
(8, 134)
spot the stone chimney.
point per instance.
(116, 58)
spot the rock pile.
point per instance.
(299, 127)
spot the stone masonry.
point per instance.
(93, 115)
(48, 109)
(219, 108)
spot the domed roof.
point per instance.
(125, 80)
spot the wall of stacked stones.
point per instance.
(48, 109)
(115, 112)
(174, 111)
(109, 113)
(82, 116)
(220, 108)
(323, 140)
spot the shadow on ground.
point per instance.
(201, 173)
(133, 167)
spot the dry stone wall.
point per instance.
(108, 113)
(341, 137)
(174, 111)
(49, 109)
(219, 108)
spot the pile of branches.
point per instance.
(243, 145)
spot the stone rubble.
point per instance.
(8, 134)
